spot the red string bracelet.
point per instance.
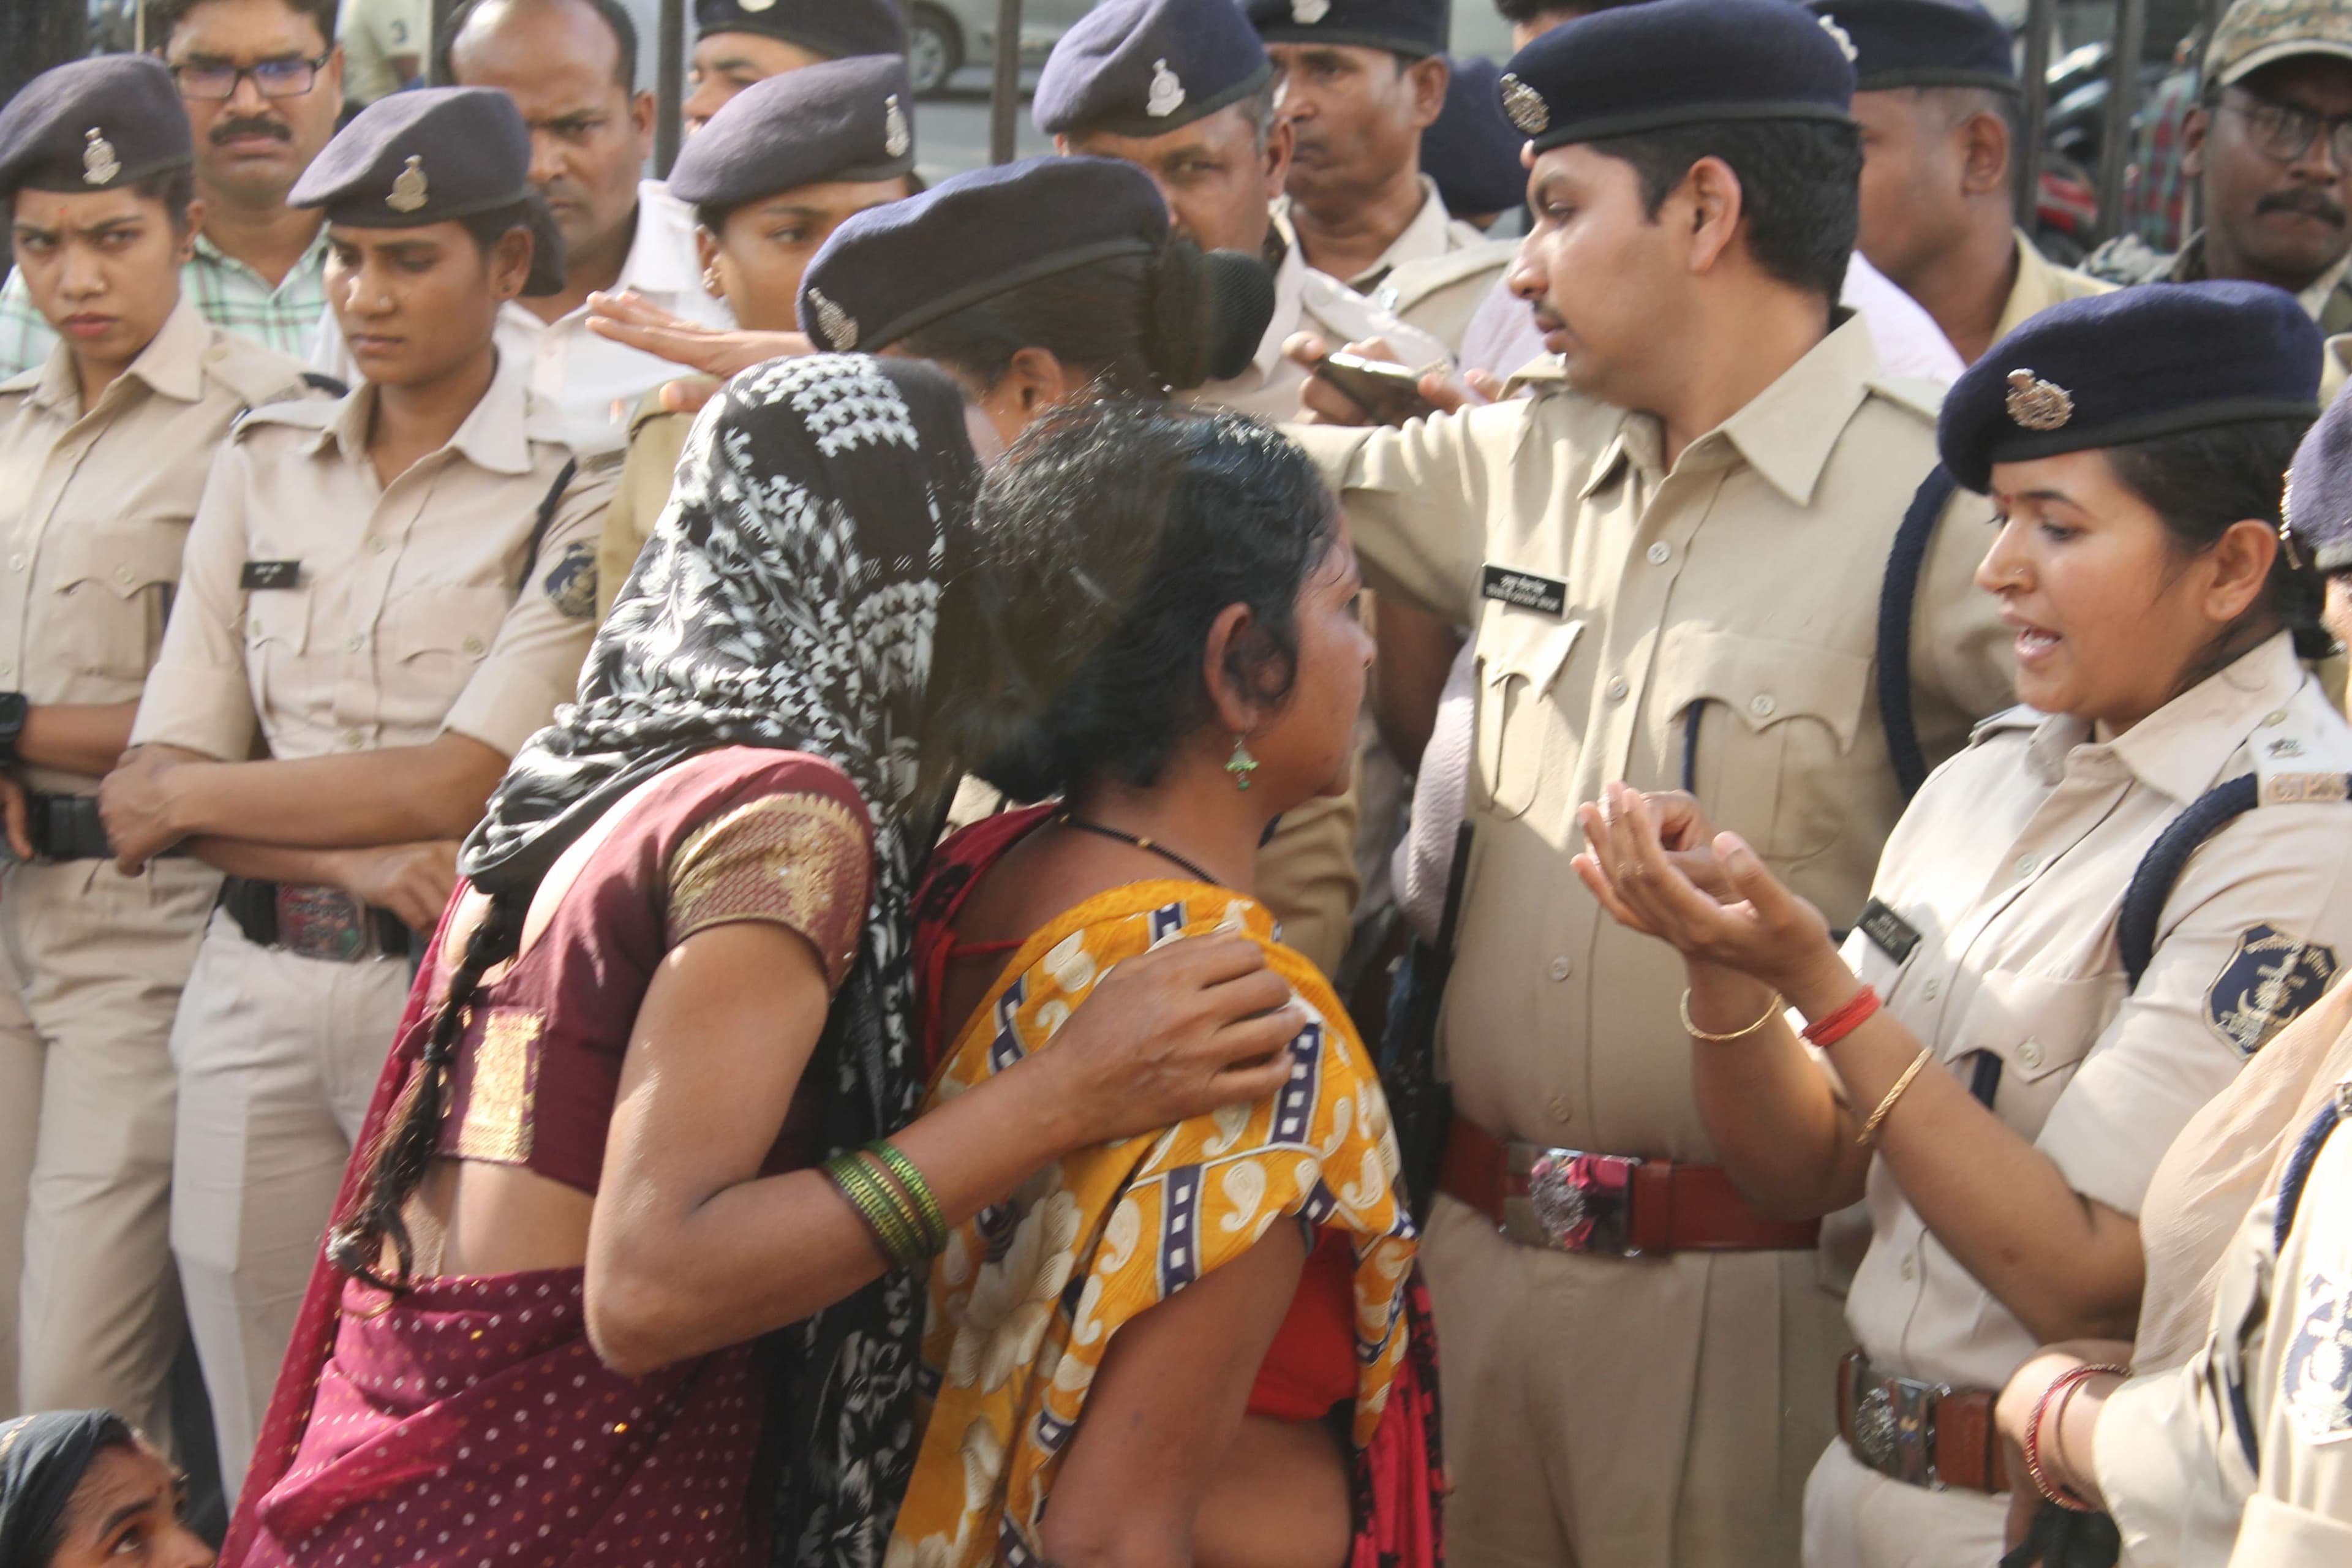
(1845, 1020)
(2063, 1390)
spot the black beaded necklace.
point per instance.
(1148, 846)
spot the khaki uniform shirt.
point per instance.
(2243, 1456)
(2010, 867)
(1433, 232)
(2042, 283)
(1743, 581)
(95, 507)
(1442, 294)
(416, 607)
(1304, 301)
(656, 440)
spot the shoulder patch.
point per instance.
(2268, 981)
(2316, 1374)
(571, 583)
(1923, 397)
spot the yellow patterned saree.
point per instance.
(1029, 1294)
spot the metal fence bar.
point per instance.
(1004, 100)
(2123, 99)
(669, 87)
(2033, 116)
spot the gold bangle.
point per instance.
(1870, 1127)
(1696, 1033)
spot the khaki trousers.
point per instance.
(1627, 1413)
(277, 1056)
(91, 962)
(1856, 1518)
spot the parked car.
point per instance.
(945, 36)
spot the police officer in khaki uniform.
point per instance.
(103, 453)
(1472, 153)
(392, 591)
(1937, 101)
(1672, 554)
(769, 178)
(2038, 997)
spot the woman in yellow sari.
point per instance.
(1200, 1345)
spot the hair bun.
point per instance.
(1208, 314)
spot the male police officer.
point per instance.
(1936, 100)
(1673, 566)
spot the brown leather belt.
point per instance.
(1928, 1434)
(1571, 1201)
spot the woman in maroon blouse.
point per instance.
(583, 1285)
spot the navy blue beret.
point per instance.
(2128, 367)
(1923, 42)
(843, 119)
(835, 28)
(2319, 490)
(892, 270)
(93, 125)
(1143, 67)
(1471, 152)
(1411, 28)
(428, 156)
(1676, 62)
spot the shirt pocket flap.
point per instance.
(456, 622)
(126, 561)
(2036, 1024)
(1526, 648)
(1763, 680)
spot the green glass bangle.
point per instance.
(930, 1241)
(935, 1224)
(881, 1210)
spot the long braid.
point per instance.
(412, 1131)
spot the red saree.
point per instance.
(469, 1419)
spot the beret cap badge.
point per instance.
(839, 327)
(1526, 105)
(99, 164)
(1844, 39)
(897, 136)
(408, 188)
(2036, 403)
(1307, 13)
(1167, 92)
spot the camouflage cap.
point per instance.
(2256, 33)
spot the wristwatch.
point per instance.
(13, 709)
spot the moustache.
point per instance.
(2310, 204)
(230, 130)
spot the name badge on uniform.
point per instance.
(1523, 590)
(261, 574)
(1888, 932)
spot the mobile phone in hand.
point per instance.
(1388, 392)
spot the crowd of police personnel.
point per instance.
(307, 529)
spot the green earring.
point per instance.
(1241, 764)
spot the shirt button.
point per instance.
(124, 575)
(1910, 1266)
(1660, 554)
(350, 740)
(2029, 1055)
(353, 644)
(1763, 705)
(6, 668)
(1559, 1107)
(473, 645)
(2274, 718)
(15, 563)
(377, 544)
(1617, 690)
(1932, 989)
(1561, 968)
(2028, 864)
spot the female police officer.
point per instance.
(396, 589)
(103, 452)
(2019, 1025)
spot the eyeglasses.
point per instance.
(2285, 133)
(289, 77)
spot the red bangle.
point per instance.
(2062, 1389)
(1845, 1020)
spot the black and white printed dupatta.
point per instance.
(789, 598)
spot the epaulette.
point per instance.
(297, 413)
(259, 377)
(2005, 721)
(2299, 755)
(1920, 395)
(1411, 283)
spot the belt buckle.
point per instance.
(1569, 1201)
(323, 923)
(1894, 1425)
